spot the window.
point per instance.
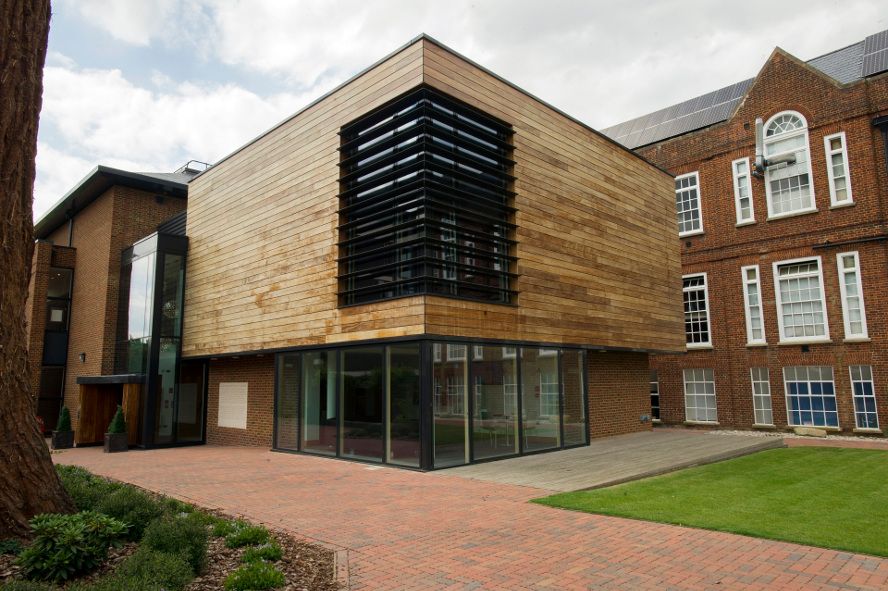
(436, 352)
(699, 385)
(742, 191)
(687, 204)
(548, 394)
(810, 396)
(477, 352)
(837, 169)
(510, 352)
(852, 295)
(801, 308)
(655, 396)
(761, 396)
(696, 309)
(426, 202)
(456, 352)
(788, 185)
(752, 300)
(865, 416)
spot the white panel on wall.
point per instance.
(233, 405)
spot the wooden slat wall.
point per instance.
(598, 255)
(598, 259)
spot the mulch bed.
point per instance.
(307, 567)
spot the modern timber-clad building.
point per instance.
(426, 267)
(785, 270)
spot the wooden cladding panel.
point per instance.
(263, 232)
(598, 258)
(597, 255)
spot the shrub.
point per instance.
(255, 575)
(68, 545)
(64, 423)
(10, 546)
(118, 423)
(175, 506)
(185, 536)
(269, 552)
(86, 490)
(251, 535)
(131, 506)
(224, 527)
(148, 570)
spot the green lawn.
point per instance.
(835, 498)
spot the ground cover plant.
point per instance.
(156, 544)
(828, 497)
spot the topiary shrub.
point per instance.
(133, 507)
(64, 423)
(255, 575)
(86, 490)
(118, 423)
(68, 545)
(268, 552)
(186, 536)
(251, 535)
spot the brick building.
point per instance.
(785, 269)
(425, 267)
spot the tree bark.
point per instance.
(28, 482)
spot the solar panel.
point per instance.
(875, 54)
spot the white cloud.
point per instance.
(136, 23)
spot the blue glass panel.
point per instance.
(796, 418)
(828, 388)
(816, 388)
(832, 419)
(830, 403)
(805, 403)
(817, 403)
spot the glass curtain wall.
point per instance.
(472, 402)
(172, 281)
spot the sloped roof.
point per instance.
(845, 65)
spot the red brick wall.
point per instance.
(258, 373)
(618, 393)
(783, 84)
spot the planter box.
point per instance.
(115, 442)
(62, 439)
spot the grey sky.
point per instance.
(148, 85)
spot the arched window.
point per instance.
(788, 186)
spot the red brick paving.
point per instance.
(409, 530)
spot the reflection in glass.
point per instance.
(138, 328)
(495, 391)
(165, 396)
(189, 407)
(287, 406)
(319, 402)
(361, 403)
(540, 398)
(572, 362)
(403, 404)
(450, 425)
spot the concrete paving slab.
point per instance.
(613, 460)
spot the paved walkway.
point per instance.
(412, 531)
(612, 460)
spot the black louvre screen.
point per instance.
(426, 203)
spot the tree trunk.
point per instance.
(28, 482)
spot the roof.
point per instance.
(99, 180)
(430, 39)
(846, 66)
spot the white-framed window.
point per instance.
(477, 352)
(742, 191)
(456, 352)
(761, 396)
(699, 387)
(479, 396)
(455, 395)
(696, 310)
(655, 396)
(436, 352)
(548, 352)
(687, 204)
(853, 310)
(810, 396)
(510, 352)
(510, 395)
(801, 306)
(837, 169)
(864, 393)
(788, 186)
(752, 300)
(548, 394)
